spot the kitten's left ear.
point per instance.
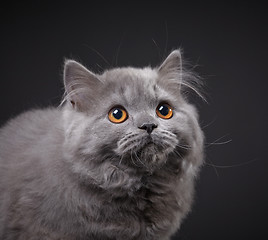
(172, 65)
(172, 75)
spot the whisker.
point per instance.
(186, 147)
(231, 166)
(168, 133)
(209, 124)
(216, 142)
(120, 161)
(219, 143)
(139, 159)
(130, 144)
(178, 154)
(215, 169)
(132, 159)
(165, 135)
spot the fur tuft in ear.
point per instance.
(175, 76)
(79, 84)
(170, 71)
(172, 63)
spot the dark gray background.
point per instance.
(228, 42)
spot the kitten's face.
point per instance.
(135, 115)
(154, 123)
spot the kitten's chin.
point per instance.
(150, 155)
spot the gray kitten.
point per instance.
(116, 161)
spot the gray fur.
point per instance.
(70, 173)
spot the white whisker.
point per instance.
(132, 159)
(120, 161)
(216, 142)
(231, 166)
(212, 165)
(178, 154)
(139, 159)
(186, 147)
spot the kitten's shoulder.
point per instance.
(32, 119)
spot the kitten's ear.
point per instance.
(80, 84)
(172, 75)
(172, 65)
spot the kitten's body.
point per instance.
(70, 173)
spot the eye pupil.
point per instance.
(164, 110)
(117, 114)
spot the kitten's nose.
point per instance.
(149, 127)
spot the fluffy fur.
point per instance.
(70, 173)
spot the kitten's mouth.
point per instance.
(148, 144)
(147, 151)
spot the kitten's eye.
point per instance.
(117, 115)
(164, 111)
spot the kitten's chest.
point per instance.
(156, 196)
(145, 214)
(155, 207)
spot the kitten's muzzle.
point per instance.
(149, 127)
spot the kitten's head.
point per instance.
(130, 116)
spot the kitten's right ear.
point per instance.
(80, 84)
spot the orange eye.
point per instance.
(117, 115)
(164, 111)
